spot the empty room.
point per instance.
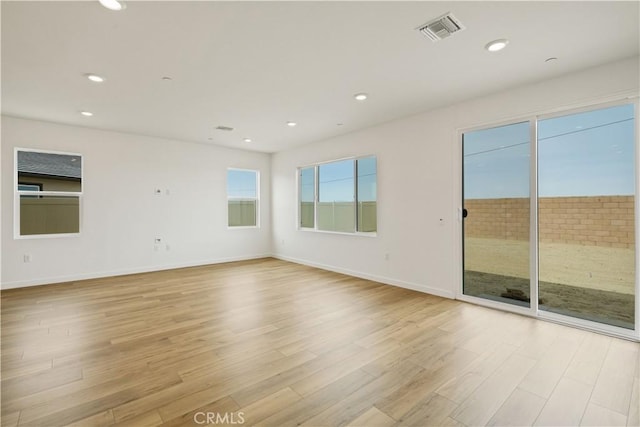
(325, 213)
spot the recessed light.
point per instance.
(247, 140)
(167, 78)
(339, 124)
(360, 96)
(86, 113)
(113, 4)
(553, 58)
(497, 45)
(94, 78)
(291, 124)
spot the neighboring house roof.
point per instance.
(59, 165)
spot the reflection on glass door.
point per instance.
(586, 177)
(497, 214)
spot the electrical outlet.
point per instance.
(27, 258)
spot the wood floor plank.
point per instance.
(482, 404)
(467, 380)
(24, 368)
(520, 409)
(566, 405)
(9, 419)
(438, 370)
(614, 385)
(373, 418)
(358, 402)
(330, 374)
(284, 344)
(545, 375)
(633, 418)
(269, 405)
(596, 415)
(587, 362)
(434, 410)
(281, 380)
(98, 420)
(148, 419)
(109, 395)
(227, 383)
(39, 381)
(304, 409)
(226, 408)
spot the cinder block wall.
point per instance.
(606, 221)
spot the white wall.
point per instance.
(122, 215)
(419, 189)
(418, 186)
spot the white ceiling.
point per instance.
(256, 65)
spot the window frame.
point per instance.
(18, 193)
(316, 198)
(257, 198)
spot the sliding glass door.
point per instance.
(580, 262)
(496, 210)
(586, 215)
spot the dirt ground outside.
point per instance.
(588, 282)
(591, 267)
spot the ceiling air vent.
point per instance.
(441, 28)
(224, 128)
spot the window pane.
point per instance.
(49, 215)
(336, 206)
(242, 193)
(242, 213)
(241, 184)
(307, 197)
(49, 172)
(29, 187)
(586, 217)
(367, 197)
(496, 198)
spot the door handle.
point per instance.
(464, 213)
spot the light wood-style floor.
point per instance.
(278, 344)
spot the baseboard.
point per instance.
(124, 272)
(367, 276)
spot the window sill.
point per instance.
(45, 236)
(341, 233)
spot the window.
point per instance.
(339, 196)
(242, 197)
(48, 193)
(367, 194)
(307, 197)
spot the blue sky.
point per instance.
(336, 181)
(585, 154)
(241, 184)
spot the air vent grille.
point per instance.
(441, 28)
(224, 128)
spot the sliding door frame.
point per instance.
(533, 310)
(533, 258)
